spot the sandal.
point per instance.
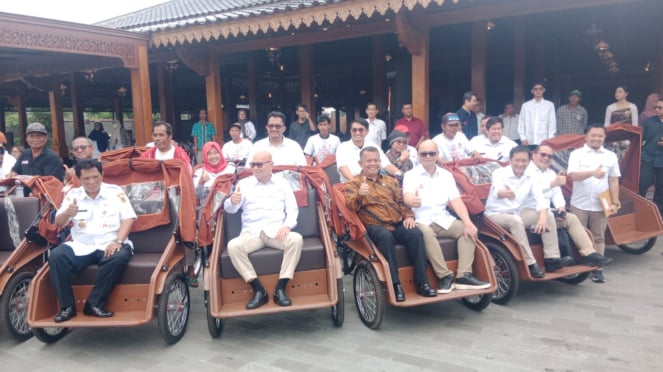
(193, 282)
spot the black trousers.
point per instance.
(412, 239)
(64, 264)
(647, 174)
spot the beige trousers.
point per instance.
(516, 226)
(577, 233)
(240, 247)
(596, 222)
(465, 247)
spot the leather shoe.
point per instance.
(399, 292)
(96, 311)
(259, 299)
(536, 271)
(280, 298)
(65, 314)
(426, 290)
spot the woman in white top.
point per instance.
(214, 165)
(621, 111)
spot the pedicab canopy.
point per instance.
(298, 177)
(125, 153)
(473, 178)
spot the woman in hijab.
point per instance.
(214, 165)
(650, 109)
(99, 136)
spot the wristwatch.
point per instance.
(118, 241)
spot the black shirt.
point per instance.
(48, 163)
(468, 122)
(652, 133)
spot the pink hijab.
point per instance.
(650, 109)
(206, 164)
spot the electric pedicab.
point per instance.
(26, 232)
(372, 282)
(153, 285)
(637, 224)
(317, 282)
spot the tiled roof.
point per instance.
(181, 13)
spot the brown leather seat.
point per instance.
(26, 210)
(268, 260)
(448, 250)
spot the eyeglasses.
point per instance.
(80, 148)
(357, 130)
(274, 126)
(425, 154)
(257, 164)
(545, 155)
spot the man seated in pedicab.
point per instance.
(378, 201)
(269, 213)
(428, 190)
(550, 182)
(505, 206)
(102, 217)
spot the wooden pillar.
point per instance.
(22, 118)
(306, 79)
(479, 50)
(539, 57)
(253, 102)
(379, 77)
(57, 119)
(161, 87)
(421, 80)
(76, 107)
(518, 65)
(213, 93)
(141, 98)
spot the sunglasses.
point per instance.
(257, 164)
(545, 155)
(425, 154)
(274, 126)
(357, 130)
(79, 148)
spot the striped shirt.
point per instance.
(382, 206)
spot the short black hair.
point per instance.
(323, 118)
(167, 125)
(368, 149)
(467, 96)
(372, 104)
(538, 147)
(361, 121)
(277, 114)
(494, 120)
(88, 164)
(596, 125)
(519, 149)
(538, 83)
(623, 86)
(302, 106)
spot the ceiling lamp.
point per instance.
(171, 65)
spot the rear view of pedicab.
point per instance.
(153, 284)
(317, 282)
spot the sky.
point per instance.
(80, 11)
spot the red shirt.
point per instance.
(416, 129)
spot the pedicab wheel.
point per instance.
(574, 278)
(214, 325)
(15, 306)
(173, 311)
(478, 302)
(338, 310)
(506, 273)
(49, 335)
(638, 247)
(369, 295)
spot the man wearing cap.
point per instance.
(238, 148)
(7, 161)
(572, 118)
(452, 142)
(38, 160)
(495, 146)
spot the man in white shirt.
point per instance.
(550, 182)
(377, 129)
(505, 206)
(284, 150)
(428, 190)
(102, 217)
(238, 148)
(495, 146)
(323, 144)
(594, 170)
(269, 213)
(347, 153)
(537, 121)
(510, 121)
(452, 143)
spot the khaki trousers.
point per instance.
(577, 233)
(516, 226)
(465, 248)
(240, 247)
(596, 222)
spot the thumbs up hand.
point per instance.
(236, 198)
(416, 200)
(506, 193)
(599, 172)
(363, 188)
(72, 209)
(204, 177)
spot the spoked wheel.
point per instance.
(173, 313)
(575, 278)
(338, 310)
(15, 306)
(506, 272)
(214, 325)
(49, 335)
(369, 295)
(638, 247)
(478, 302)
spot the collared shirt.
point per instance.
(537, 121)
(497, 151)
(98, 220)
(48, 163)
(544, 179)
(237, 151)
(265, 206)
(435, 191)
(457, 148)
(300, 132)
(203, 134)
(585, 194)
(416, 129)
(347, 154)
(571, 120)
(524, 187)
(469, 123)
(652, 133)
(377, 131)
(320, 148)
(287, 153)
(510, 129)
(382, 206)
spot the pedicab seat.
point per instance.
(26, 211)
(448, 250)
(268, 260)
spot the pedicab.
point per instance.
(153, 284)
(317, 282)
(637, 224)
(26, 232)
(372, 282)
(123, 153)
(473, 178)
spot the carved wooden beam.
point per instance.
(196, 59)
(408, 34)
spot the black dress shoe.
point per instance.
(536, 271)
(426, 290)
(96, 311)
(280, 298)
(259, 299)
(400, 294)
(65, 314)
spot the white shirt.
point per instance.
(320, 148)
(453, 149)
(497, 151)
(98, 220)
(287, 153)
(585, 194)
(544, 179)
(524, 187)
(510, 129)
(265, 207)
(8, 162)
(347, 154)
(236, 151)
(435, 191)
(165, 155)
(377, 131)
(537, 121)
